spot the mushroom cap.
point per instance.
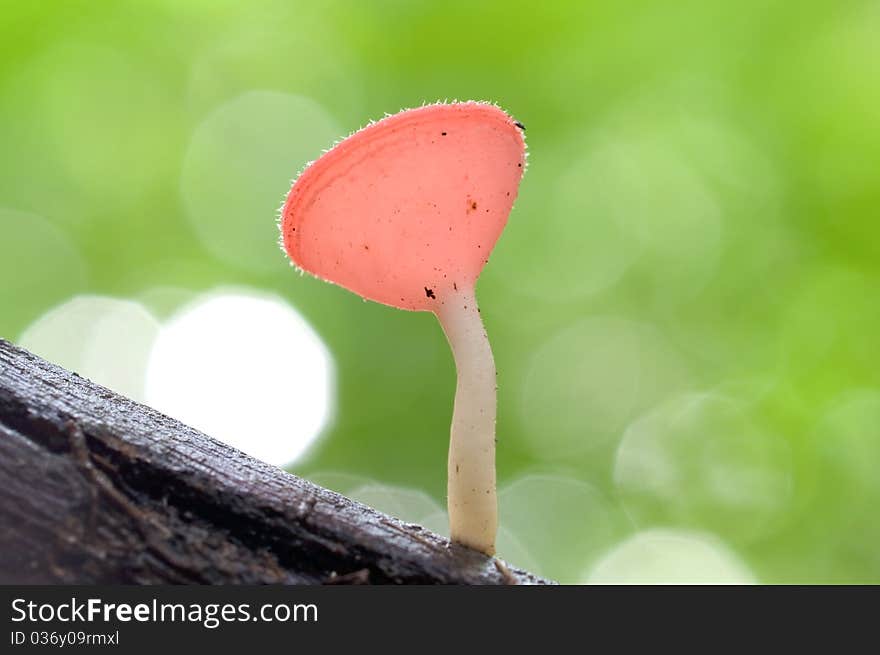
(408, 209)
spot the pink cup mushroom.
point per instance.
(405, 212)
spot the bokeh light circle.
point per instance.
(239, 166)
(106, 340)
(700, 460)
(619, 202)
(561, 523)
(247, 369)
(663, 556)
(587, 382)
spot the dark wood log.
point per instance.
(96, 488)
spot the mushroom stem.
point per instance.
(473, 507)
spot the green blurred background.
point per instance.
(683, 308)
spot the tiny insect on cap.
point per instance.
(409, 207)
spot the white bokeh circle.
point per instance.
(247, 369)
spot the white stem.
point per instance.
(473, 507)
